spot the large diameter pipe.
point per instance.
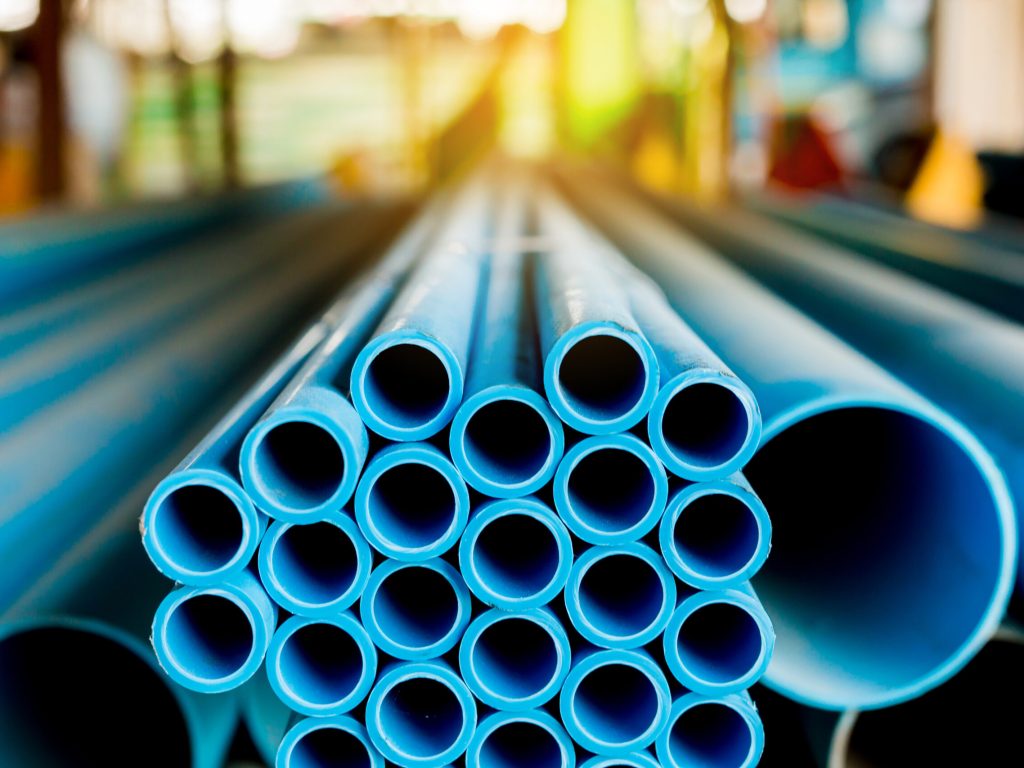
(600, 373)
(520, 740)
(953, 536)
(421, 715)
(712, 732)
(320, 742)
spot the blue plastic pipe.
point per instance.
(415, 611)
(213, 639)
(632, 760)
(320, 742)
(610, 489)
(719, 642)
(409, 379)
(505, 439)
(715, 534)
(265, 717)
(316, 570)
(411, 503)
(321, 667)
(515, 554)
(421, 714)
(615, 702)
(711, 732)
(919, 517)
(600, 373)
(515, 661)
(520, 740)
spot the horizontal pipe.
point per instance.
(213, 639)
(620, 596)
(316, 570)
(411, 503)
(822, 402)
(421, 714)
(321, 667)
(715, 534)
(415, 611)
(610, 489)
(515, 661)
(719, 642)
(320, 742)
(709, 732)
(615, 702)
(520, 740)
(600, 373)
(515, 554)
(632, 760)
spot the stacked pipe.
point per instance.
(490, 508)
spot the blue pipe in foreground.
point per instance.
(901, 480)
(709, 732)
(620, 596)
(600, 373)
(715, 534)
(610, 489)
(615, 702)
(320, 742)
(321, 667)
(515, 661)
(415, 610)
(213, 639)
(316, 570)
(719, 642)
(411, 503)
(515, 554)
(632, 760)
(520, 740)
(504, 438)
(421, 715)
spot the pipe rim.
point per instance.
(538, 718)
(632, 760)
(294, 735)
(735, 702)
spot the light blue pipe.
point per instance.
(615, 702)
(505, 439)
(515, 554)
(420, 715)
(266, 718)
(520, 740)
(715, 534)
(320, 742)
(902, 480)
(719, 642)
(415, 611)
(632, 760)
(408, 381)
(321, 667)
(213, 639)
(515, 661)
(411, 503)
(710, 732)
(610, 489)
(316, 570)
(620, 596)
(600, 373)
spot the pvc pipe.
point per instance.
(600, 373)
(515, 661)
(945, 548)
(415, 610)
(716, 534)
(301, 461)
(265, 717)
(213, 639)
(708, 732)
(794, 734)
(505, 439)
(327, 741)
(632, 760)
(515, 554)
(411, 503)
(615, 702)
(620, 596)
(321, 667)
(520, 740)
(316, 570)
(420, 714)
(610, 489)
(719, 642)
(407, 382)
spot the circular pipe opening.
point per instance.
(709, 735)
(315, 565)
(406, 385)
(616, 704)
(516, 556)
(601, 377)
(508, 442)
(411, 506)
(514, 659)
(610, 491)
(415, 608)
(199, 528)
(208, 637)
(422, 718)
(321, 665)
(301, 465)
(719, 643)
(329, 748)
(705, 425)
(521, 744)
(715, 535)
